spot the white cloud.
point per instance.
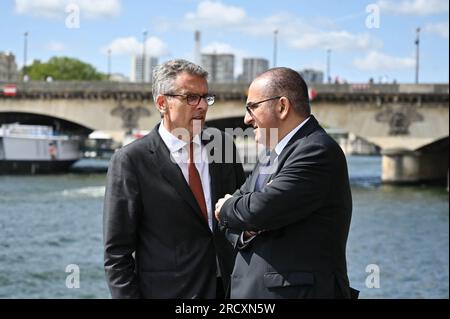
(377, 61)
(56, 46)
(291, 29)
(123, 46)
(215, 14)
(287, 25)
(414, 7)
(336, 40)
(130, 45)
(30, 61)
(56, 9)
(439, 28)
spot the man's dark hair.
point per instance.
(289, 83)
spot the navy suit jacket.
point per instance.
(304, 212)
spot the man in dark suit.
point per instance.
(291, 218)
(160, 237)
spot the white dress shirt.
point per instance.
(179, 152)
(282, 144)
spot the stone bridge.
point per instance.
(410, 123)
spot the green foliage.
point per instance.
(64, 69)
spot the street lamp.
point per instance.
(109, 64)
(275, 34)
(25, 49)
(417, 54)
(144, 34)
(328, 65)
(9, 60)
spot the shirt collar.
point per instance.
(173, 143)
(282, 144)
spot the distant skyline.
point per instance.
(368, 39)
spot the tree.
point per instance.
(64, 69)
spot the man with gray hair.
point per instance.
(160, 237)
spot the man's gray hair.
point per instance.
(165, 74)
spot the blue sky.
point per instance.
(363, 44)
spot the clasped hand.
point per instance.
(219, 205)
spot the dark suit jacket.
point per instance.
(156, 242)
(305, 211)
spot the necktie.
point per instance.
(265, 170)
(195, 183)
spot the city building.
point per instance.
(219, 66)
(312, 76)
(252, 67)
(8, 67)
(137, 68)
(197, 48)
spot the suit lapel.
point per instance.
(172, 173)
(254, 177)
(216, 187)
(215, 174)
(307, 129)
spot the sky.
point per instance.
(363, 39)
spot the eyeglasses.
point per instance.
(251, 106)
(194, 99)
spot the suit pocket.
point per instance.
(290, 285)
(274, 279)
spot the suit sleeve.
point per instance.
(120, 215)
(241, 188)
(296, 191)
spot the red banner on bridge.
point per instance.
(10, 90)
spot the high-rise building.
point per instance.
(8, 67)
(137, 68)
(219, 66)
(252, 67)
(197, 48)
(312, 76)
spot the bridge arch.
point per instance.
(59, 124)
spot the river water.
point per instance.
(398, 245)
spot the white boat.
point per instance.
(36, 149)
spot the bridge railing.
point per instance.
(224, 91)
(227, 87)
(74, 86)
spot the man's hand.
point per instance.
(219, 205)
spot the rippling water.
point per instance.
(49, 222)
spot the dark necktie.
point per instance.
(195, 183)
(265, 170)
